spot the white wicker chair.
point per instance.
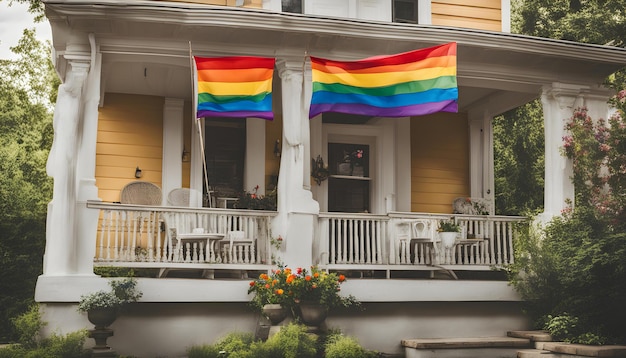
(141, 193)
(178, 197)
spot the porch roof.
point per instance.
(155, 35)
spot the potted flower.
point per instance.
(448, 232)
(270, 294)
(316, 292)
(102, 307)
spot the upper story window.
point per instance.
(403, 11)
(294, 6)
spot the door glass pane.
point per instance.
(348, 195)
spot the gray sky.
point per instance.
(13, 21)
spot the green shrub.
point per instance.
(30, 345)
(340, 346)
(292, 341)
(27, 326)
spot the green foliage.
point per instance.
(575, 265)
(448, 226)
(25, 189)
(27, 326)
(30, 346)
(340, 346)
(292, 341)
(567, 328)
(122, 293)
(519, 160)
(254, 201)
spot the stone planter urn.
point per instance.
(276, 313)
(313, 314)
(101, 318)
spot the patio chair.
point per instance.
(141, 193)
(237, 248)
(424, 244)
(179, 197)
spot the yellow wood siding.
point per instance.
(130, 135)
(476, 14)
(439, 161)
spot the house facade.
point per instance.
(125, 114)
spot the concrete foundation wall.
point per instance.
(168, 329)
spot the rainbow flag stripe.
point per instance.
(407, 84)
(234, 87)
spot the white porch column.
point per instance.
(61, 255)
(87, 219)
(297, 210)
(173, 143)
(559, 101)
(481, 156)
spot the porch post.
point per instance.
(559, 101)
(87, 219)
(173, 144)
(297, 211)
(61, 240)
(481, 156)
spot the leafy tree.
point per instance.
(35, 7)
(519, 160)
(25, 189)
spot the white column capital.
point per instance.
(565, 94)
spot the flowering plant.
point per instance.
(354, 157)
(122, 293)
(254, 201)
(270, 289)
(448, 226)
(288, 287)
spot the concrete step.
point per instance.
(484, 347)
(534, 336)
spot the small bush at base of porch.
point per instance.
(29, 344)
(292, 341)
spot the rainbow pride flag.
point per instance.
(407, 84)
(234, 87)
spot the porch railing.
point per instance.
(147, 234)
(365, 239)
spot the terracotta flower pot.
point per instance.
(102, 317)
(312, 314)
(276, 313)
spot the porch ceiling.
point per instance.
(145, 47)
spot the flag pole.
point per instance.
(194, 83)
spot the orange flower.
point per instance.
(342, 278)
(279, 291)
(252, 283)
(290, 278)
(267, 285)
(288, 271)
(274, 282)
(263, 276)
(316, 275)
(307, 278)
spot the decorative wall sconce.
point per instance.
(186, 155)
(138, 173)
(319, 171)
(277, 148)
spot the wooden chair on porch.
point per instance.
(236, 248)
(146, 194)
(424, 243)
